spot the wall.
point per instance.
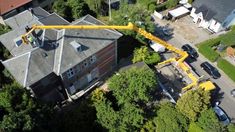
(105, 62)
(215, 26)
(211, 25)
(230, 20)
(47, 89)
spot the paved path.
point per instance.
(224, 83)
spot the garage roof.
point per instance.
(179, 11)
(8, 5)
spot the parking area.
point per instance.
(186, 28)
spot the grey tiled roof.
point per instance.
(217, 9)
(54, 19)
(91, 40)
(56, 54)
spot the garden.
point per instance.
(212, 50)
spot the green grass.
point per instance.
(205, 48)
(227, 67)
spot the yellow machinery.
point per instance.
(179, 60)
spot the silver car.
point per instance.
(223, 118)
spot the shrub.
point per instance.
(143, 54)
(161, 7)
(193, 127)
(227, 67)
(205, 48)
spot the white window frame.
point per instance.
(70, 73)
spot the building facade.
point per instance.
(214, 17)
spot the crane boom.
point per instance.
(179, 60)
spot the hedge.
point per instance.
(161, 7)
(205, 48)
(227, 67)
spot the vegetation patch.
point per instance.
(227, 67)
(205, 48)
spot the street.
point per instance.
(225, 84)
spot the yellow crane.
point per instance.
(179, 60)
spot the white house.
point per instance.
(214, 15)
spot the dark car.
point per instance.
(190, 50)
(212, 71)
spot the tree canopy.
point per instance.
(19, 112)
(122, 108)
(133, 85)
(192, 103)
(209, 122)
(135, 14)
(143, 54)
(72, 9)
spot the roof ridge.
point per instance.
(27, 70)
(113, 31)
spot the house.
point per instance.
(9, 8)
(214, 15)
(59, 64)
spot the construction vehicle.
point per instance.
(178, 61)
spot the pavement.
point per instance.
(224, 84)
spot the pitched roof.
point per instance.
(55, 54)
(216, 9)
(8, 5)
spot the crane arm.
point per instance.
(180, 60)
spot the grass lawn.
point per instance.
(227, 67)
(205, 47)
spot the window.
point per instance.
(85, 63)
(72, 89)
(92, 59)
(78, 68)
(70, 73)
(18, 41)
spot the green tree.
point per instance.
(81, 117)
(190, 1)
(135, 14)
(4, 29)
(193, 127)
(231, 127)
(122, 108)
(171, 3)
(128, 117)
(143, 54)
(209, 122)
(20, 111)
(133, 85)
(79, 8)
(59, 7)
(96, 5)
(192, 103)
(170, 120)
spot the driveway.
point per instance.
(187, 32)
(191, 32)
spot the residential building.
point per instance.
(59, 64)
(9, 8)
(214, 15)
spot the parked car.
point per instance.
(212, 71)
(233, 92)
(190, 50)
(223, 118)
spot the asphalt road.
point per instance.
(225, 84)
